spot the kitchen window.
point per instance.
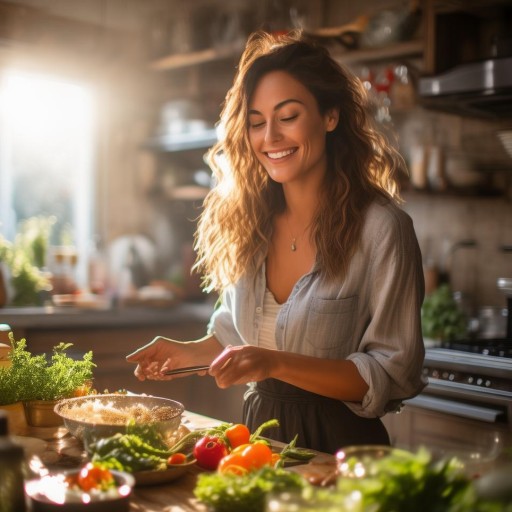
(46, 156)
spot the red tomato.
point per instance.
(238, 434)
(94, 477)
(258, 455)
(208, 451)
(234, 463)
(176, 458)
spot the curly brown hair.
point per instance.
(236, 223)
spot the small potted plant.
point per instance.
(441, 317)
(39, 382)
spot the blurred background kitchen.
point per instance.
(108, 106)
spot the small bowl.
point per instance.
(89, 431)
(47, 494)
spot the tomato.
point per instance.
(176, 458)
(241, 448)
(238, 434)
(94, 477)
(208, 451)
(276, 457)
(258, 455)
(234, 463)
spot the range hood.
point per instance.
(482, 89)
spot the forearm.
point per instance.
(205, 349)
(338, 379)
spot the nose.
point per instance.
(272, 133)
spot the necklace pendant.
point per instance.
(293, 246)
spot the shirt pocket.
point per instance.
(330, 323)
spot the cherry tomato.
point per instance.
(276, 457)
(176, 458)
(238, 434)
(94, 477)
(234, 463)
(208, 451)
(258, 455)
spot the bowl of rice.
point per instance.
(96, 416)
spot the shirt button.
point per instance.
(259, 310)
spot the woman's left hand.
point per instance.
(242, 364)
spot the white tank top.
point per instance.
(266, 336)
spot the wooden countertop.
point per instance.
(58, 450)
(51, 317)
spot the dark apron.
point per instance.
(322, 423)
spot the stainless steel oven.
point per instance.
(466, 408)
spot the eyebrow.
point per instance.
(277, 107)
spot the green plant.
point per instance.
(35, 377)
(441, 316)
(25, 257)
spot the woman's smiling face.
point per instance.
(286, 130)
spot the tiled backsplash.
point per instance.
(443, 221)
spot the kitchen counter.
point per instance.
(63, 451)
(50, 317)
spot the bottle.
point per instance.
(12, 490)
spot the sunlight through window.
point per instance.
(46, 156)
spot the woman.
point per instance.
(319, 270)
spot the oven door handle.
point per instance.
(474, 412)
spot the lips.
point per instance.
(276, 155)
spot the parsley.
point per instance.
(36, 377)
(234, 493)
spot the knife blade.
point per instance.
(187, 369)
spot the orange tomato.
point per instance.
(238, 434)
(258, 455)
(276, 457)
(241, 448)
(234, 463)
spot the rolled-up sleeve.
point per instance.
(222, 323)
(391, 352)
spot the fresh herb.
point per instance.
(404, 481)
(248, 492)
(34, 377)
(441, 316)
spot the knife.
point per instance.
(187, 369)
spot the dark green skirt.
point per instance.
(322, 423)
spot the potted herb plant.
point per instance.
(39, 382)
(441, 317)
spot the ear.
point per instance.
(332, 117)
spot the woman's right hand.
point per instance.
(159, 356)
(163, 354)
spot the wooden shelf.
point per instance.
(406, 49)
(182, 60)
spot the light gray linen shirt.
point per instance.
(372, 317)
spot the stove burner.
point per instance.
(496, 347)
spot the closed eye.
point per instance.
(289, 118)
